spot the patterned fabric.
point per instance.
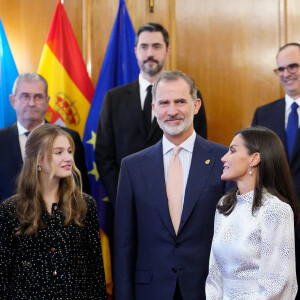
(253, 256)
(58, 263)
(174, 188)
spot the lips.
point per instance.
(67, 167)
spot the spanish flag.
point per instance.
(70, 88)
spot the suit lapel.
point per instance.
(15, 148)
(278, 115)
(153, 168)
(201, 165)
(134, 105)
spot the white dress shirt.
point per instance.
(288, 107)
(185, 156)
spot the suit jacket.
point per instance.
(121, 132)
(11, 160)
(149, 257)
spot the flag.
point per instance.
(70, 88)
(8, 75)
(119, 67)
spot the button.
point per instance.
(52, 249)
(54, 273)
(174, 270)
(177, 245)
(55, 207)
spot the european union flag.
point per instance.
(119, 67)
(8, 75)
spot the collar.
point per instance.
(143, 83)
(188, 144)
(22, 130)
(289, 101)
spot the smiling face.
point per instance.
(174, 109)
(60, 164)
(237, 163)
(290, 82)
(151, 52)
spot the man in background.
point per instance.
(166, 202)
(30, 101)
(127, 124)
(282, 116)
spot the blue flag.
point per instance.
(119, 67)
(8, 75)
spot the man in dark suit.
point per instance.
(276, 115)
(30, 101)
(159, 254)
(122, 129)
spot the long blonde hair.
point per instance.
(31, 205)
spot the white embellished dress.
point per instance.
(253, 256)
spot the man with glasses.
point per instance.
(30, 101)
(282, 116)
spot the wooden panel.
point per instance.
(229, 48)
(27, 23)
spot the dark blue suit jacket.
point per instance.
(149, 257)
(11, 160)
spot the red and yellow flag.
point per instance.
(70, 88)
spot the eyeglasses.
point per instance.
(292, 69)
(38, 98)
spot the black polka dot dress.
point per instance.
(57, 263)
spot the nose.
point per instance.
(172, 111)
(285, 73)
(68, 157)
(224, 158)
(31, 100)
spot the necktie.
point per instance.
(174, 188)
(27, 133)
(148, 108)
(292, 129)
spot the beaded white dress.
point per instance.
(253, 256)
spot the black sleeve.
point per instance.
(96, 275)
(105, 152)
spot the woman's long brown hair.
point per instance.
(31, 205)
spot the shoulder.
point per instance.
(267, 106)
(146, 153)
(8, 207)
(203, 144)
(123, 88)
(275, 210)
(89, 200)
(6, 131)
(74, 134)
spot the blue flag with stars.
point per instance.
(119, 67)
(8, 75)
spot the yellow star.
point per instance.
(92, 141)
(105, 199)
(94, 171)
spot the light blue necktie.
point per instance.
(292, 129)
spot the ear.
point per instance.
(135, 49)
(197, 105)
(48, 98)
(168, 50)
(255, 159)
(12, 100)
(153, 109)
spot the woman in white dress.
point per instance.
(253, 248)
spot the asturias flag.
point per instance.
(119, 67)
(70, 88)
(8, 75)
